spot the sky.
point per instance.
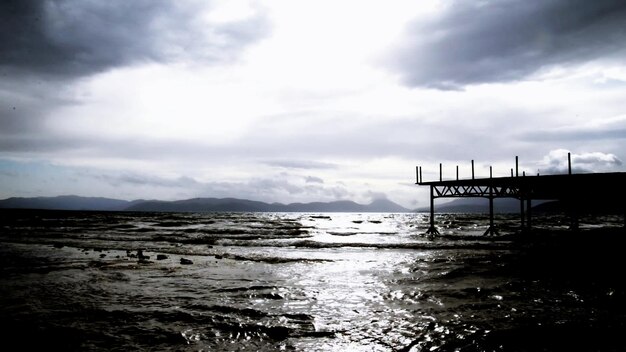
(299, 101)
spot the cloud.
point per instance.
(71, 38)
(376, 195)
(47, 46)
(301, 164)
(313, 179)
(24, 103)
(281, 187)
(474, 42)
(555, 162)
(144, 180)
(602, 129)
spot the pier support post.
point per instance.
(472, 169)
(573, 213)
(421, 178)
(528, 214)
(491, 230)
(569, 163)
(432, 230)
(522, 214)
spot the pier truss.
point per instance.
(574, 190)
(477, 191)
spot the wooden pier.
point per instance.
(573, 190)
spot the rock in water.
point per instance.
(185, 261)
(161, 256)
(140, 254)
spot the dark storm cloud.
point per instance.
(474, 42)
(71, 38)
(23, 105)
(46, 45)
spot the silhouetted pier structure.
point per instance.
(572, 190)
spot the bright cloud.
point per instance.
(556, 162)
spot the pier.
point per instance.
(575, 191)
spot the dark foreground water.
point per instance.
(307, 282)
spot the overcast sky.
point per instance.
(298, 101)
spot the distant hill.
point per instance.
(195, 205)
(512, 205)
(605, 206)
(201, 204)
(244, 205)
(65, 203)
(477, 205)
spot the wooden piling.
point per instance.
(432, 230)
(421, 179)
(569, 163)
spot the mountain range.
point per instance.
(195, 205)
(463, 205)
(478, 205)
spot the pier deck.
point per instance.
(573, 190)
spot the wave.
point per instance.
(460, 244)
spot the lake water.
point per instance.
(93, 281)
